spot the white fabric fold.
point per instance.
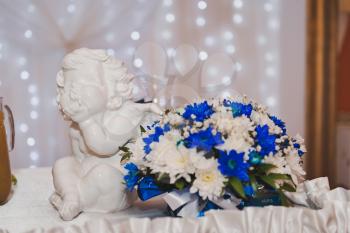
(331, 215)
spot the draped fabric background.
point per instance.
(179, 50)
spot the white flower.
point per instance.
(296, 170)
(280, 163)
(170, 158)
(165, 146)
(209, 182)
(238, 130)
(298, 139)
(172, 118)
(180, 164)
(137, 151)
(200, 162)
(261, 118)
(235, 142)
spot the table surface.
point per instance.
(29, 207)
(29, 211)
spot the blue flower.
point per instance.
(279, 123)
(204, 140)
(239, 109)
(265, 140)
(201, 111)
(232, 164)
(132, 177)
(158, 131)
(248, 190)
(297, 146)
(254, 158)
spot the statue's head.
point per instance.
(90, 82)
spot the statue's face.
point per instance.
(85, 91)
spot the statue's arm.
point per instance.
(97, 140)
(101, 142)
(148, 107)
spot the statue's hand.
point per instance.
(135, 112)
(148, 107)
(155, 108)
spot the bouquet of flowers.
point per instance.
(215, 154)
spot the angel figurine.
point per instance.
(95, 95)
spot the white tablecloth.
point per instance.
(29, 207)
(30, 211)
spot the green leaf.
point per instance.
(277, 176)
(13, 179)
(180, 184)
(178, 143)
(124, 148)
(265, 167)
(237, 186)
(284, 199)
(269, 181)
(163, 178)
(253, 182)
(288, 187)
(125, 157)
(143, 130)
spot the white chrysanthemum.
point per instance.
(170, 158)
(200, 162)
(209, 182)
(165, 146)
(296, 170)
(180, 164)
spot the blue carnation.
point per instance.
(239, 109)
(158, 131)
(201, 111)
(232, 164)
(204, 140)
(265, 140)
(248, 190)
(279, 123)
(132, 177)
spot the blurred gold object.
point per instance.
(5, 169)
(322, 29)
(345, 6)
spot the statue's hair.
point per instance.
(81, 56)
(115, 72)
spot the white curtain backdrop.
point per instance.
(178, 49)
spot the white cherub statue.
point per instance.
(94, 93)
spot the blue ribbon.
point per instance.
(147, 189)
(269, 198)
(182, 203)
(208, 206)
